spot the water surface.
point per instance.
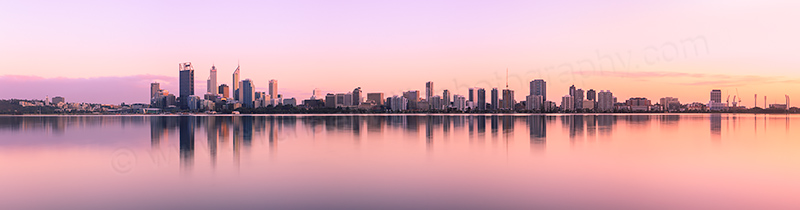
(702, 161)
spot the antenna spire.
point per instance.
(506, 77)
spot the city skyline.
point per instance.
(680, 56)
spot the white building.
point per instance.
(460, 102)
(605, 101)
(567, 103)
(399, 103)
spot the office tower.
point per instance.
(572, 90)
(428, 90)
(212, 81)
(534, 102)
(356, 96)
(273, 89)
(471, 94)
(58, 99)
(186, 83)
(508, 99)
(446, 98)
(376, 98)
(716, 96)
(495, 104)
(539, 88)
(481, 99)
(224, 90)
(399, 103)
(605, 101)
(154, 88)
(591, 95)
(578, 97)
(315, 94)
(413, 98)
(567, 103)
(436, 103)
(339, 99)
(236, 83)
(248, 93)
(348, 99)
(459, 102)
(330, 101)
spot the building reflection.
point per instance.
(186, 124)
(537, 126)
(716, 127)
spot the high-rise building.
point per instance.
(481, 99)
(591, 95)
(508, 99)
(376, 98)
(225, 91)
(495, 104)
(211, 84)
(412, 97)
(459, 102)
(248, 93)
(186, 83)
(273, 89)
(236, 83)
(534, 102)
(154, 88)
(571, 90)
(716, 96)
(446, 98)
(428, 90)
(578, 98)
(567, 103)
(471, 94)
(348, 99)
(340, 99)
(539, 88)
(398, 103)
(357, 94)
(330, 101)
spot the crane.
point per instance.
(735, 102)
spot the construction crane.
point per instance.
(787, 102)
(735, 102)
(727, 100)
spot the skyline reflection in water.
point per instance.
(401, 161)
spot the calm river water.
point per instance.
(692, 161)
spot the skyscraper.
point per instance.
(413, 98)
(539, 88)
(605, 101)
(591, 95)
(446, 98)
(377, 98)
(495, 104)
(356, 96)
(716, 96)
(567, 103)
(481, 99)
(248, 93)
(225, 91)
(186, 83)
(428, 90)
(273, 89)
(154, 88)
(508, 99)
(471, 94)
(578, 98)
(236, 83)
(571, 90)
(211, 84)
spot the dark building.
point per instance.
(356, 96)
(495, 99)
(481, 99)
(591, 95)
(186, 83)
(224, 91)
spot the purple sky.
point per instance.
(109, 52)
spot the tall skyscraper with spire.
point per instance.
(186, 83)
(211, 84)
(236, 83)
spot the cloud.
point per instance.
(111, 90)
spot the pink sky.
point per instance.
(652, 49)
